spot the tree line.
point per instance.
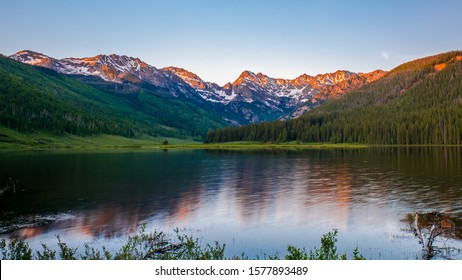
(413, 104)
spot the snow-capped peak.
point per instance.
(271, 94)
(34, 58)
(114, 68)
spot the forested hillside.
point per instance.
(35, 98)
(419, 102)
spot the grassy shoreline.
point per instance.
(160, 246)
(11, 140)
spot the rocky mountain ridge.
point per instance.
(250, 98)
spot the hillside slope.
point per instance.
(250, 98)
(36, 98)
(419, 102)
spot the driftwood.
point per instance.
(427, 227)
(157, 246)
(170, 248)
(10, 184)
(14, 185)
(427, 242)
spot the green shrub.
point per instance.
(159, 246)
(327, 251)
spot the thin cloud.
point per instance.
(385, 55)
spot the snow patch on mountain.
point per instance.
(271, 97)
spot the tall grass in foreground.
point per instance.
(158, 246)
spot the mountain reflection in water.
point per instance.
(250, 200)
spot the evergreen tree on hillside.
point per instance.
(416, 103)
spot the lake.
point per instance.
(255, 202)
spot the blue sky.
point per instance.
(219, 39)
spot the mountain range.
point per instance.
(37, 99)
(250, 98)
(416, 103)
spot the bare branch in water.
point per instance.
(428, 226)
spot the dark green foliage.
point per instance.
(66, 252)
(141, 246)
(357, 256)
(93, 253)
(16, 249)
(46, 254)
(413, 104)
(192, 250)
(158, 246)
(296, 253)
(34, 98)
(327, 251)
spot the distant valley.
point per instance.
(416, 103)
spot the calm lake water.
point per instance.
(253, 201)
